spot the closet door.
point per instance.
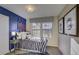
(4, 34)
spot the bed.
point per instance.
(34, 44)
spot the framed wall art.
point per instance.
(61, 26)
(70, 23)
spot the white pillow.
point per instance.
(19, 35)
(23, 34)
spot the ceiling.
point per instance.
(41, 10)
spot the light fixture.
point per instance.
(30, 8)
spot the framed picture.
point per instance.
(71, 22)
(61, 26)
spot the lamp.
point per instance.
(13, 33)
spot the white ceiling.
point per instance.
(41, 10)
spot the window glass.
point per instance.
(47, 25)
(42, 30)
(36, 33)
(36, 25)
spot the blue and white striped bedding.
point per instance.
(39, 46)
(32, 43)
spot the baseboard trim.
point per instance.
(52, 46)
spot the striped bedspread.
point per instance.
(39, 46)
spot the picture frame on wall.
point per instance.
(70, 21)
(61, 26)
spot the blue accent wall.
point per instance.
(13, 23)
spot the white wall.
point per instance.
(64, 40)
(4, 34)
(64, 44)
(54, 39)
(66, 9)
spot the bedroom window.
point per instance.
(36, 30)
(46, 30)
(41, 30)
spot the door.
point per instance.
(4, 34)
